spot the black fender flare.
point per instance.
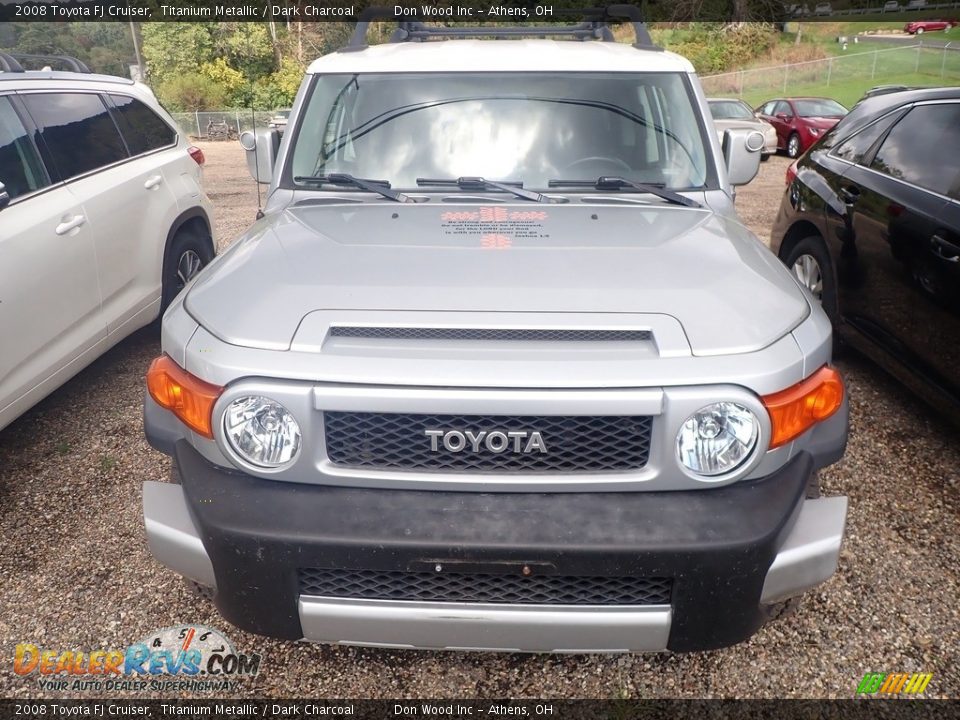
(182, 219)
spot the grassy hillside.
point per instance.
(818, 65)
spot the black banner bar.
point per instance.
(272, 709)
(468, 11)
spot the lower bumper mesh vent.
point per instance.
(484, 588)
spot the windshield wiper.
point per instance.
(478, 183)
(381, 187)
(618, 183)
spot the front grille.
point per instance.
(488, 334)
(393, 441)
(484, 588)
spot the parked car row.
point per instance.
(790, 124)
(825, 9)
(870, 224)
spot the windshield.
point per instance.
(819, 108)
(515, 127)
(730, 110)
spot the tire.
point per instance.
(793, 146)
(808, 259)
(920, 31)
(189, 253)
(764, 157)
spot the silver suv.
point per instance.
(499, 368)
(103, 220)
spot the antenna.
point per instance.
(256, 161)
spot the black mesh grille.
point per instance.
(573, 444)
(484, 588)
(412, 333)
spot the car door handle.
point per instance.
(153, 182)
(68, 225)
(944, 249)
(849, 194)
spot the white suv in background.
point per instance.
(103, 219)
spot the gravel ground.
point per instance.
(75, 572)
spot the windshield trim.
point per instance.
(286, 182)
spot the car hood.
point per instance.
(729, 293)
(824, 123)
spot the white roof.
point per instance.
(501, 56)
(43, 79)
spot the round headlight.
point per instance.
(261, 431)
(717, 438)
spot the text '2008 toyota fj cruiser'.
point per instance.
(499, 367)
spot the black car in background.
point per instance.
(870, 224)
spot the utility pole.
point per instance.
(136, 50)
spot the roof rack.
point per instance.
(9, 62)
(595, 25)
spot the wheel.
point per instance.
(793, 146)
(809, 261)
(764, 157)
(189, 253)
(919, 31)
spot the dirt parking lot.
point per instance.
(75, 572)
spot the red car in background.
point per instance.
(800, 122)
(918, 27)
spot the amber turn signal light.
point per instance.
(798, 408)
(188, 397)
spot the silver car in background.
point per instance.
(733, 114)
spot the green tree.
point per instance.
(105, 47)
(173, 49)
(246, 46)
(191, 92)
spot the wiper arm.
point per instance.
(478, 183)
(381, 187)
(617, 183)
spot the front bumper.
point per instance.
(727, 550)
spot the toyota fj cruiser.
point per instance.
(498, 367)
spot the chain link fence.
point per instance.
(222, 124)
(936, 65)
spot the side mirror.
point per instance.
(4, 196)
(261, 148)
(741, 153)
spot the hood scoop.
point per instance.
(489, 334)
